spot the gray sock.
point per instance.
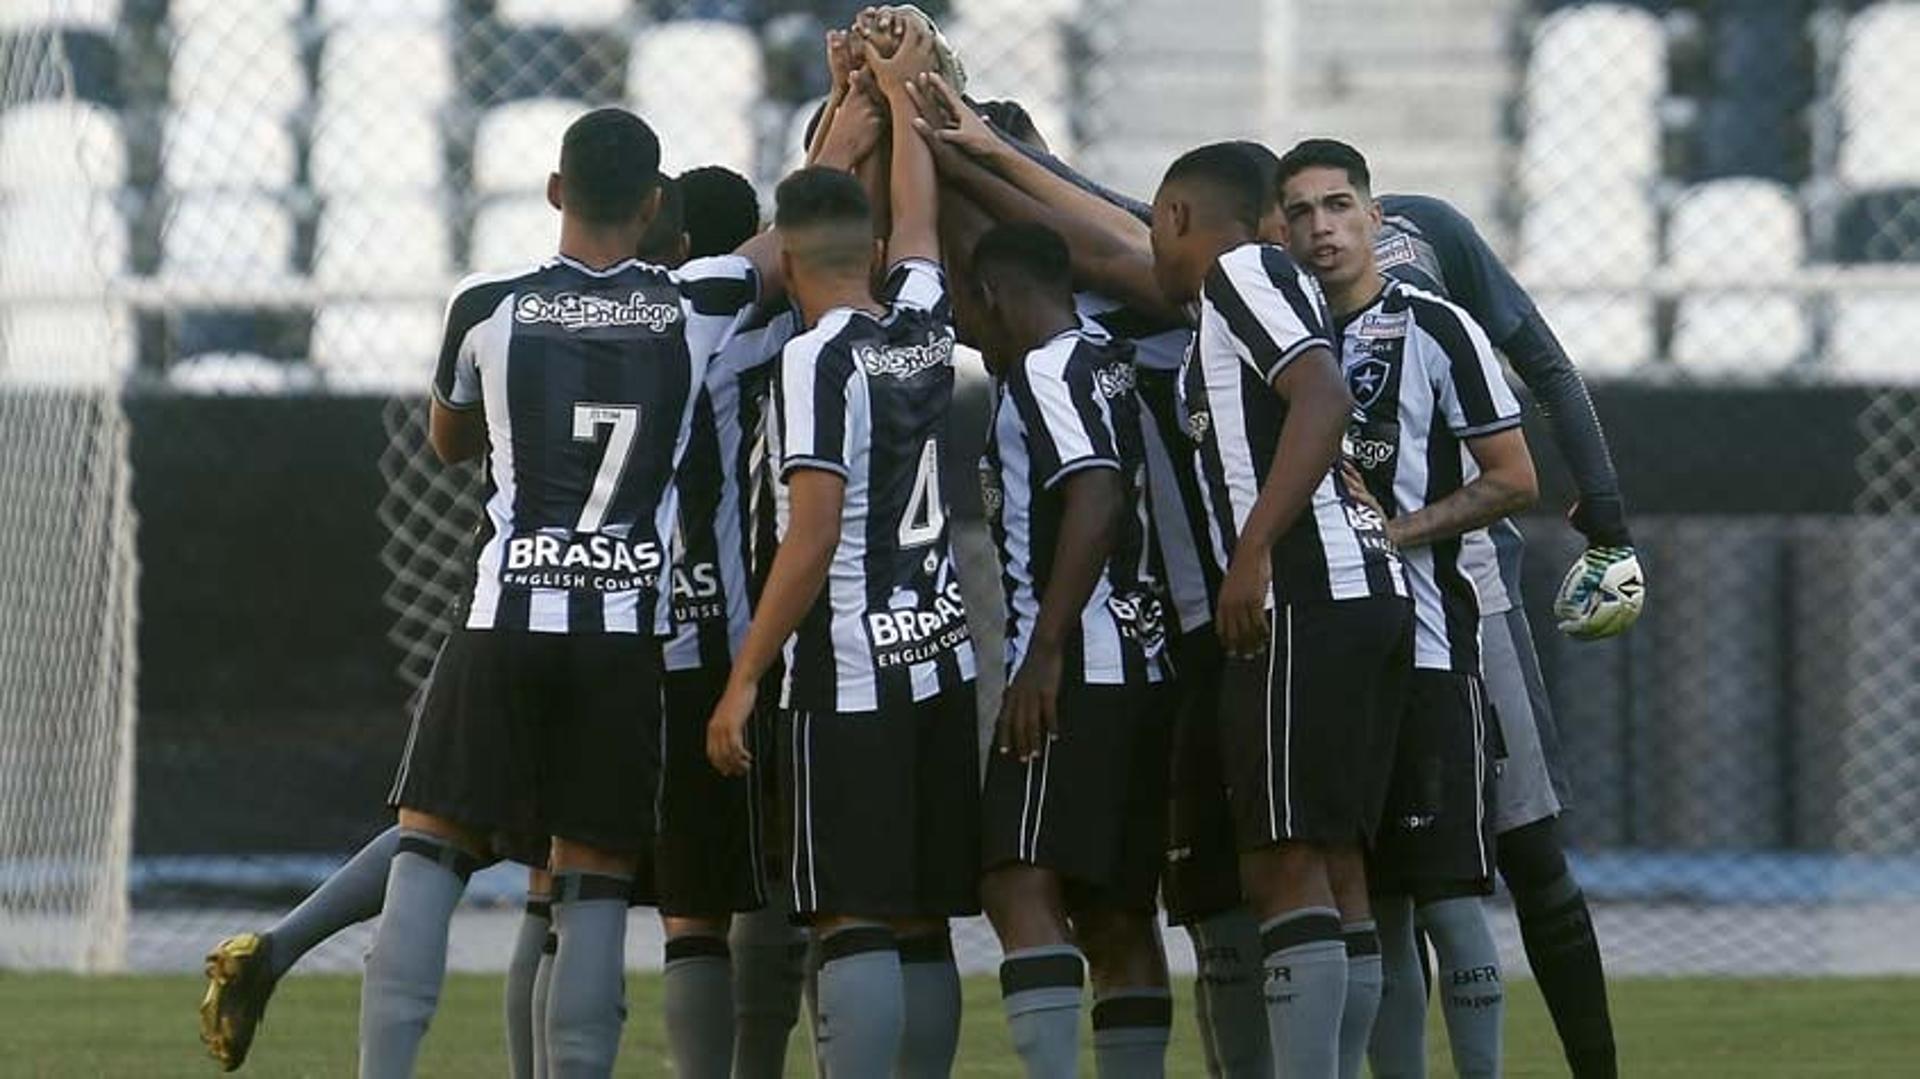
(408, 962)
(1040, 990)
(537, 1004)
(350, 895)
(1228, 948)
(1202, 1010)
(1306, 990)
(769, 962)
(930, 987)
(1397, 1048)
(810, 988)
(1472, 999)
(1363, 995)
(697, 985)
(1131, 1028)
(585, 1004)
(862, 1003)
(528, 944)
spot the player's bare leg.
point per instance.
(698, 996)
(586, 1003)
(1289, 886)
(861, 996)
(1132, 1005)
(525, 1038)
(408, 962)
(1043, 972)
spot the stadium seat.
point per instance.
(64, 344)
(239, 374)
(573, 13)
(710, 133)
(208, 147)
(227, 238)
(33, 14)
(1879, 98)
(60, 244)
(48, 145)
(182, 12)
(379, 13)
(358, 148)
(1880, 226)
(514, 232)
(516, 145)
(1609, 335)
(1730, 236)
(1594, 82)
(377, 347)
(1589, 236)
(376, 65)
(382, 243)
(502, 64)
(695, 66)
(238, 57)
(1871, 339)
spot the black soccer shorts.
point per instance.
(525, 735)
(1437, 831)
(706, 855)
(884, 809)
(1202, 876)
(1093, 805)
(1308, 726)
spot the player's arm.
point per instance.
(1110, 247)
(1071, 443)
(800, 565)
(1284, 341)
(840, 68)
(913, 186)
(1488, 291)
(1505, 486)
(456, 424)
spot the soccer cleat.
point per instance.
(239, 981)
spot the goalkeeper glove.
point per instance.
(1602, 594)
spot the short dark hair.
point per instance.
(661, 241)
(1269, 163)
(1027, 248)
(609, 164)
(1011, 117)
(1325, 153)
(1231, 177)
(825, 219)
(722, 210)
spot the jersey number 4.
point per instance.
(587, 421)
(926, 513)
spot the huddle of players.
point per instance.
(1263, 554)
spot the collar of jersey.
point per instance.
(586, 269)
(1341, 322)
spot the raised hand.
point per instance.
(947, 119)
(913, 57)
(856, 126)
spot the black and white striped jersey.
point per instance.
(867, 398)
(1426, 381)
(713, 549)
(587, 379)
(1173, 488)
(1066, 407)
(1259, 313)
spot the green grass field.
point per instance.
(52, 1025)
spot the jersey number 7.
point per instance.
(587, 421)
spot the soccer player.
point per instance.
(1428, 243)
(243, 970)
(577, 380)
(1312, 610)
(879, 753)
(1440, 446)
(1075, 799)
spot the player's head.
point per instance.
(1023, 287)
(609, 174)
(665, 241)
(1326, 194)
(722, 210)
(826, 229)
(1273, 223)
(1209, 203)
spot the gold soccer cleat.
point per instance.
(239, 981)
